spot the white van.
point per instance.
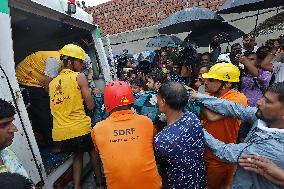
(28, 26)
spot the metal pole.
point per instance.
(113, 67)
(101, 54)
(256, 22)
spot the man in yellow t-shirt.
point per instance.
(71, 126)
(34, 74)
(125, 142)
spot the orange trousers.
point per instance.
(219, 175)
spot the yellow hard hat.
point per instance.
(73, 51)
(224, 72)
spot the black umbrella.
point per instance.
(188, 19)
(270, 25)
(164, 41)
(224, 31)
(238, 6)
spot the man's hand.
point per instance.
(264, 167)
(241, 58)
(96, 91)
(198, 83)
(192, 92)
(252, 69)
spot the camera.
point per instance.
(121, 62)
(233, 55)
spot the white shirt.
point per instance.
(52, 67)
(278, 71)
(254, 49)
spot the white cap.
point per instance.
(223, 57)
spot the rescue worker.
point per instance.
(71, 126)
(219, 82)
(125, 142)
(34, 74)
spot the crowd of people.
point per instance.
(236, 140)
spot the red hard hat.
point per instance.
(117, 93)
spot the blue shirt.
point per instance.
(177, 78)
(181, 146)
(261, 140)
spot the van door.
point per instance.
(24, 143)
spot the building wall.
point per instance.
(118, 16)
(130, 24)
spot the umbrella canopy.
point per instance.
(188, 19)
(164, 41)
(146, 55)
(224, 31)
(270, 25)
(238, 6)
(121, 53)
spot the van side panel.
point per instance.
(20, 145)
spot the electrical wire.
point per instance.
(22, 123)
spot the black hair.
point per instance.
(264, 48)
(6, 109)
(207, 65)
(175, 95)
(235, 45)
(137, 81)
(277, 88)
(248, 53)
(65, 59)
(177, 63)
(144, 66)
(15, 181)
(158, 76)
(270, 42)
(207, 54)
(188, 55)
(130, 72)
(126, 107)
(248, 36)
(263, 51)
